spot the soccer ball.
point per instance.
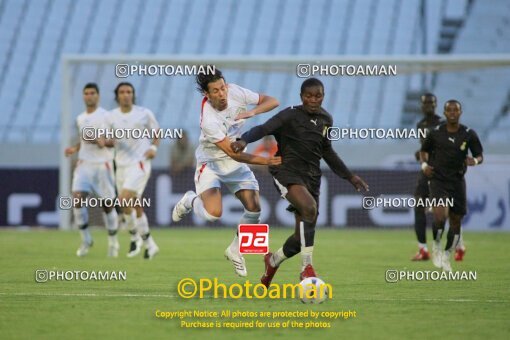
(313, 290)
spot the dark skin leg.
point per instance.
(455, 222)
(440, 214)
(301, 199)
(250, 199)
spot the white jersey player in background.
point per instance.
(224, 108)
(93, 172)
(133, 162)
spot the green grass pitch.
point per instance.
(354, 262)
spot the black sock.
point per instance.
(112, 232)
(292, 246)
(452, 239)
(437, 230)
(420, 225)
(309, 233)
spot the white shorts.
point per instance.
(234, 175)
(94, 178)
(133, 177)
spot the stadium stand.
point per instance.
(36, 33)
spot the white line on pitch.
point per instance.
(177, 296)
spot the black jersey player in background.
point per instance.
(429, 121)
(444, 157)
(301, 134)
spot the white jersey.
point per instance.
(90, 152)
(131, 150)
(217, 125)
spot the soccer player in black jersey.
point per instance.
(302, 136)
(444, 157)
(429, 121)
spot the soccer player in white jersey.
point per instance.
(224, 109)
(133, 160)
(93, 172)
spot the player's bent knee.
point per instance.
(309, 213)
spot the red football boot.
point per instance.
(421, 255)
(269, 272)
(308, 272)
(459, 254)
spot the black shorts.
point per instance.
(283, 178)
(455, 189)
(422, 186)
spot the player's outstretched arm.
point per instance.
(244, 157)
(266, 104)
(260, 131)
(338, 166)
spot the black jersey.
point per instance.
(427, 124)
(448, 151)
(302, 141)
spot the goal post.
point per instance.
(423, 66)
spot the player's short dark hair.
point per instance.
(203, 80)
(455, 101)
(311, 82)
(125, 83)
(91, 86)
(428, 95)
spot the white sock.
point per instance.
(437, 241)
(234, 246)
(460, 244)
(306, 256)
(130, 224)
(142, 225)
(277, 258)
(85, 235)
(111, 221)
(250, 217)
(81, 218)
(199, 209)
(188, 202)
(422, 246)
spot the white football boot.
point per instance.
(437, 254)
(237, 261)
(183, 207)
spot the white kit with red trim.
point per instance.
(217, 125)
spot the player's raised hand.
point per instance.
(245, 115)
(358, 183)
(274, 160)
(238, 145)
(71, 150)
